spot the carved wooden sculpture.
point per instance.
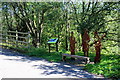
(72, 44)
(98, 46)
(85, 41)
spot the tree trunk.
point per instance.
(66, 42)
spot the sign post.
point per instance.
(53, 41)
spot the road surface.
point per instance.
(16, 65)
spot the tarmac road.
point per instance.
(16, 65)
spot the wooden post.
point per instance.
(1, 37)
(57, 46)
(63, 58)
(28, 40)
(38, 40)
(49, 47)
(16, 38)
(7, 42)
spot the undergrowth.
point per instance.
(43, 53)
(109, 66)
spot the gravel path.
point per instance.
(16, 65)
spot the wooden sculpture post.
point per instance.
(72, 44)
(98, 46)
(85, 41)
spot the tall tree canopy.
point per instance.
(57, 19)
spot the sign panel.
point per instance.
(53, 40)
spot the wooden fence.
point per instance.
(15, 39)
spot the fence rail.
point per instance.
(12, 36)
(15, 38)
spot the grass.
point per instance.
(109, 66)
(43, 53)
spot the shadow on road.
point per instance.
(64, 69)
(47, 67)
(22, 57)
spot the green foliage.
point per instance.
(109, 66)
(51, 19)
(53, 57)
(43, 53)
(36, 51)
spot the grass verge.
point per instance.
(109, 66)
(43, 53)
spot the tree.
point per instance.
(30, 17)
(91, 15)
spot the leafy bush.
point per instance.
(109, 66)
(37, 51)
